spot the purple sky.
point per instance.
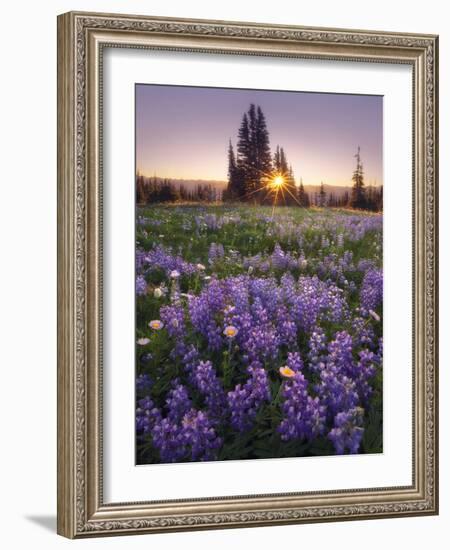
(183, 132)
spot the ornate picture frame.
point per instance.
(82, 38)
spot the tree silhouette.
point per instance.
(262, 145)
(358, 197)
(322, 196)
(232, 190)
(254, 160)
(303, 197)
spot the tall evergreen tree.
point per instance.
(303, 197)
(380, 199)
(232, 191)
(231, 162)
(358, 197)
(322, 196)
(243, 157)
(141, 197)
(254, 162)
(263, 154)
(283, 162)
(280, 164)
(277, 160)
(290, 176)
(345, 201)
(289, 188)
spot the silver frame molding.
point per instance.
(81, 39)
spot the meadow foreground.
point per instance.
(258, 332)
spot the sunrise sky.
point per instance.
(183, 131)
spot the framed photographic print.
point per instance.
(247, 284)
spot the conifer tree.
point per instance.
(322, 196)
(231, 162)
(263, 154)
(290, 176)
(254, 161)
(283, 162)
(140, 190)
(277, 160)
(290, 189)
(232, 191)
(243, 156)
(345, 199)
(303, 197)
(251, 184)
(358, 197)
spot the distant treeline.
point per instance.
(373, 198)
(155, 190)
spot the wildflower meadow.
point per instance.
(258, 332)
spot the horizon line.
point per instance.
(225, 181)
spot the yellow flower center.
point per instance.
(287, 372)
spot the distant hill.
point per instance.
(191, 185)
(337, 190)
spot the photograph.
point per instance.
(259, 274)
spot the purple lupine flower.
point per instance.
(140, 259)
(203, 311)
(205, 379)
(379, 355)
(199, 436)
(168, 438)
(190, 358)
(303, 415)
(346, 261)
(252, 262)
(285, 326)
(245, 400)
(294, 361)
(340, 352)
(177, 401)
(366, 369)
(365, 264)
(348, 431)
(364, 333)
(147, 414)
(143, 383)
(278, 258)
(281, 260)
(317, 348)
(337, 390)
(312, 300)
(209, 221)
(261, 340)
(141, 285)
(344, 382)
(371, 294)
(215, 253)
(174, 321)
(162, 258)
